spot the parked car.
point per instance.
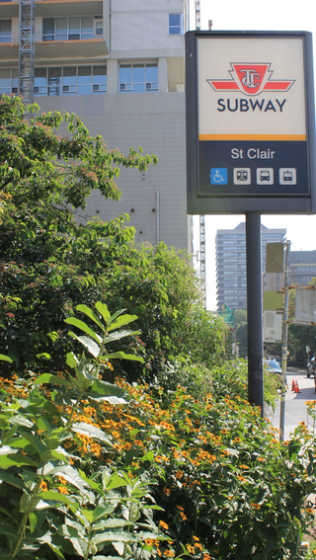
(310, 367)
(274, 367)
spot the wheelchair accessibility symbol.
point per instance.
(219, 176)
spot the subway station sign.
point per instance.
(250, 122)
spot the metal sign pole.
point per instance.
(254, 309)
(284, 338)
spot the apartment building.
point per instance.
(231, 275)
(119, 65)
(302, 267)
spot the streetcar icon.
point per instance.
(242, 176)
(287, 176)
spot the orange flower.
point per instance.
(164, 525)
(169, 553)
(43, 486)
(256, 506)
(62, 490)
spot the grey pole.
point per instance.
(284, 338)
(254, 309)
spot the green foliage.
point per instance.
(50, 263)
(241, 331)
(48, 507)
(90, 469)
(231, 380)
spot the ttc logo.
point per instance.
(251, 79)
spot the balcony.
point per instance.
(86, 48)
(9, 9)
(51, 8)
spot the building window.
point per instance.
(72, 28)
(70, 80)
(175, 24)
(5, 31)
(9, 80)
(138, 78)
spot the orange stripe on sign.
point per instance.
(268, 137)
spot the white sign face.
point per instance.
(272, 326)
(251, 90)
(305, 305)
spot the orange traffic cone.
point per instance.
(296, 387)
(293, 386)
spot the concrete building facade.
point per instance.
(119, 65)
(231, 276)
(302, 267)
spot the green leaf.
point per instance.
(72, 360)
(71, 475)
(55, 497)
(122, 320)
(35, 442)
(52, 379)
(15, 460)
(83, 327)
(91, 314)
(113, 536)
(122, 356)
(21, 421)
(44, 355)
(88, 343)
(11, 480)
(118, 335)
(116, 481)
(105, 388)
(103, 310)
(4, 358)
(33, 521)
(90, 431)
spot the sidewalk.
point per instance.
(295, 408)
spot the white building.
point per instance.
(119, 65)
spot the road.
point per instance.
(295, 407)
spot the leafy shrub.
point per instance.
(211, 474)
(52, 501)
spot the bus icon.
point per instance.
(265, 176)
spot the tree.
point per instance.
(49, 263)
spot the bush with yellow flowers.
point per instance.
(106, 471)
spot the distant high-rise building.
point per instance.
(231, 278)
(302, 267)
(119, 65)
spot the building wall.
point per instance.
(302, 267)
(156, 124)
(134, 31)
(231, 272)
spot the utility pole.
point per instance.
(284, 336)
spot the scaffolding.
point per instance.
(202, 218)
(197, 15)
(27, 50)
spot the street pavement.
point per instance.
(295, 407)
